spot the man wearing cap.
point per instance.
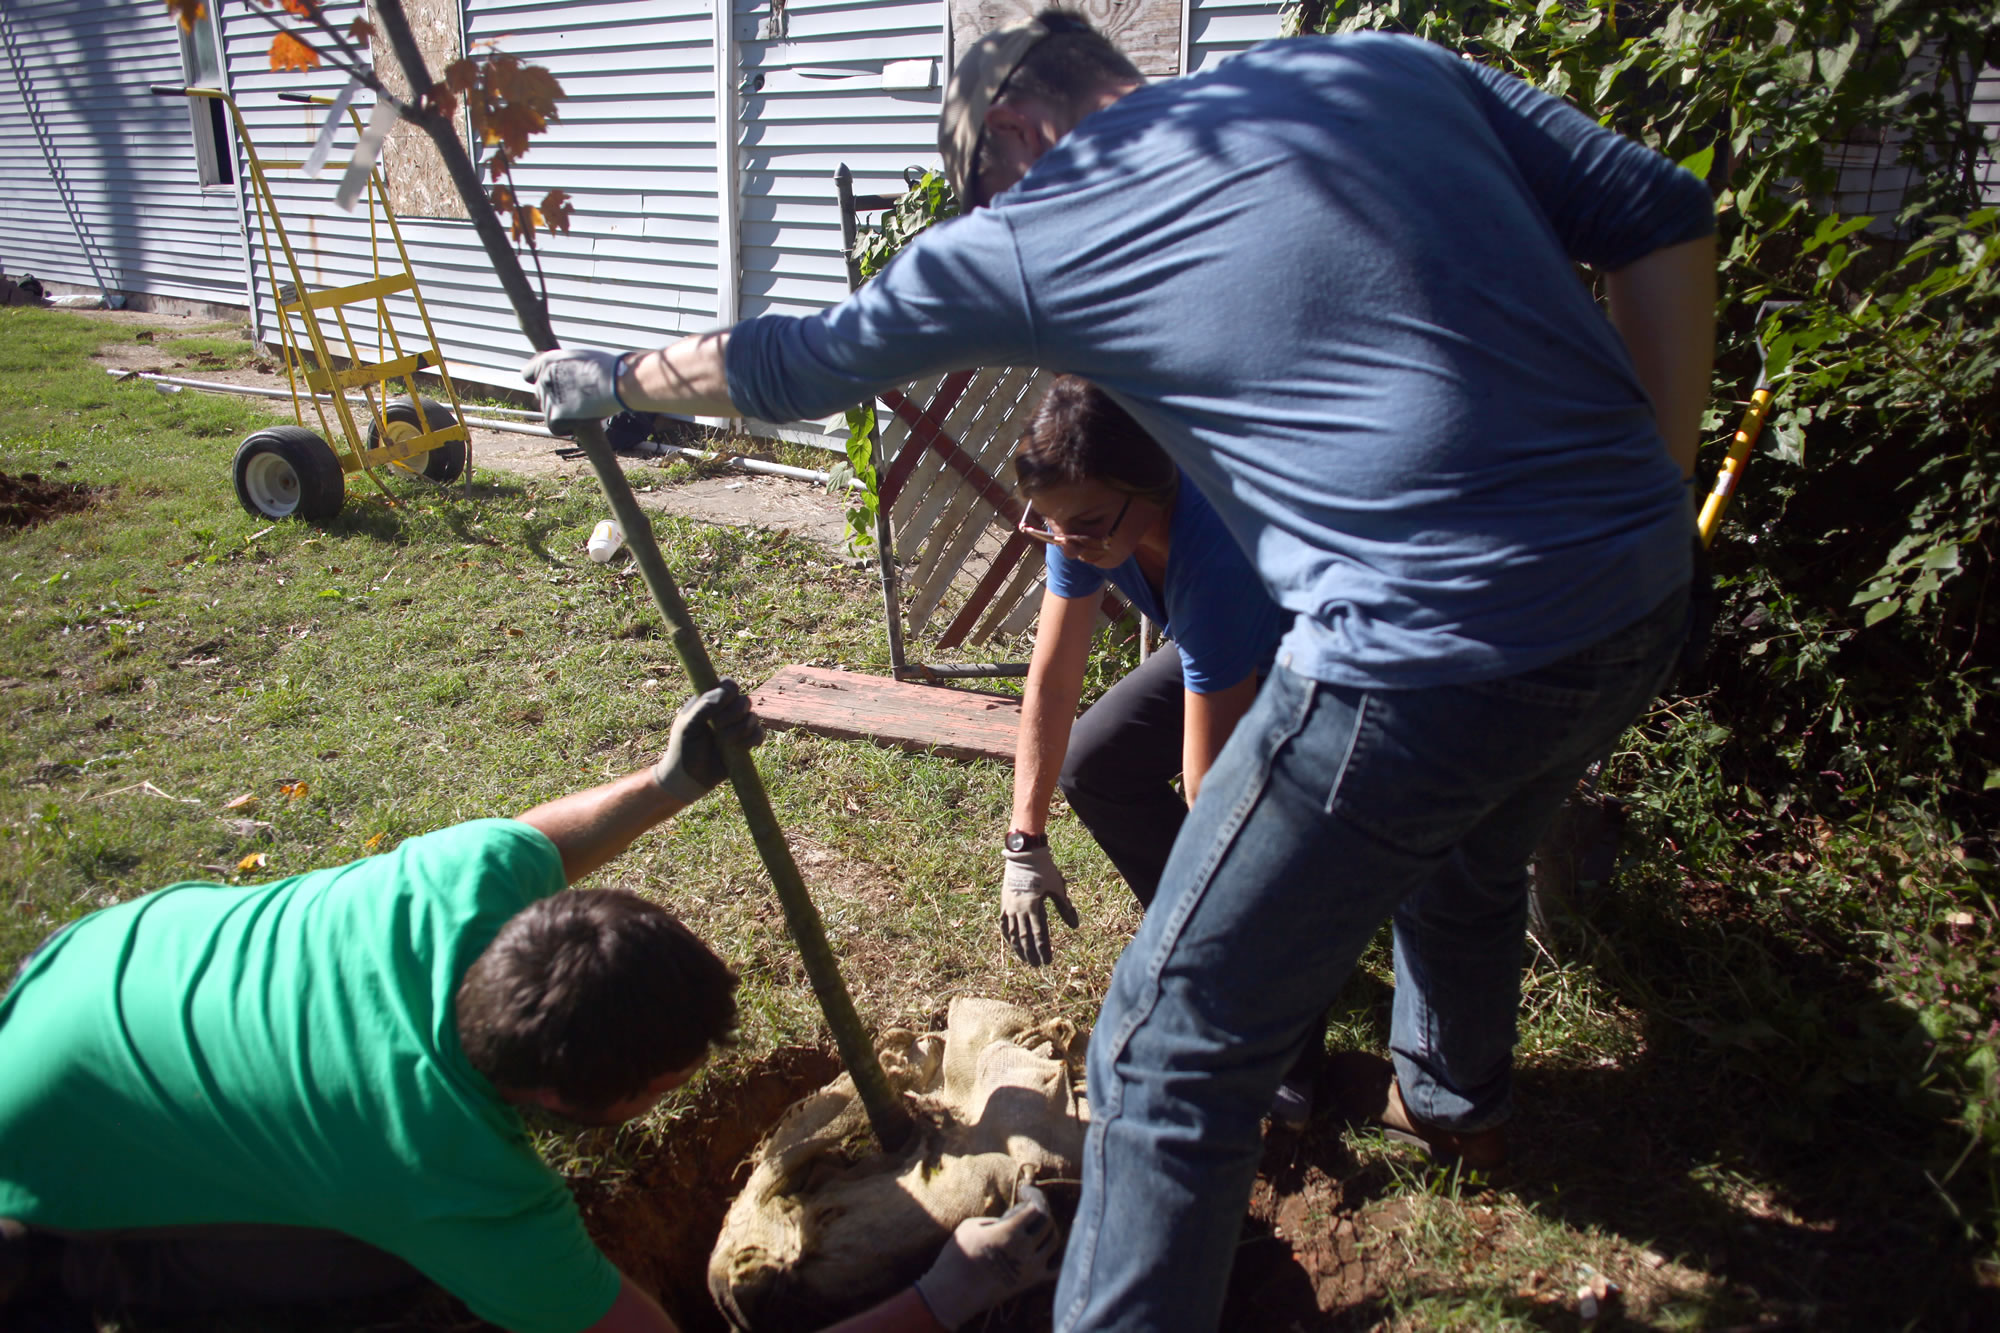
(1334, 278)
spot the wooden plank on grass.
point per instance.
(848, 705)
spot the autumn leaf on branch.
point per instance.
(556, 208)
(361, 30)
(187, 12)
(288, 52)
(526, 219)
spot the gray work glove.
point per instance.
(693, 761)
(1032, 877)
(576, 386)
(989, 1260)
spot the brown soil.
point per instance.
(27, 499)
(1310, 1258)
(659, 1223)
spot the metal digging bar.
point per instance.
(886, 1115)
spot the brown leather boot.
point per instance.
(1366, 1092)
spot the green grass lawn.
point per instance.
(1732, 1103)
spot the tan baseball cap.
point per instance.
(982, 72)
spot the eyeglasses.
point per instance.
(1077, 540)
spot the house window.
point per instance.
(201, 63)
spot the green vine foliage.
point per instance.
(929, 200)
(1856, 660)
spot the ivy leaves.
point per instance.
(928, 200)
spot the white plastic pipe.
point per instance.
(737, 461)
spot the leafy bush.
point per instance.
(1857, 651)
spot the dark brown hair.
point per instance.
(593, 994)
(1064, 68)
(1079, 434)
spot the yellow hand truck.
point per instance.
(292, 471)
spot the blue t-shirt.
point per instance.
(1211, 603)
(1333, 278)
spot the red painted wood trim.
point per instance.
(997, 575)
(926, 424)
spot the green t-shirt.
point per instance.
(286, 1053)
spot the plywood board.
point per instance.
(961, 724)
(419, 185)
(1147, 31)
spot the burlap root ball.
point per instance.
(827, 1226)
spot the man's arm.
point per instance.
(1210, 718)
(690, 377)
(634, 1312)
(1664, 307)
(591, 827)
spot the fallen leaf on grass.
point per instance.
(247, 828)
(294, 789)
(244, 802)
(254, 861)
(373, 842)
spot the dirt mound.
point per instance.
(27, 499)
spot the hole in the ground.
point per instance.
(659, 1222)
(28, 499)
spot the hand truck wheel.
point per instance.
(289, 472)
(444, 463)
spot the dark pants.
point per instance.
(1124, 753)
(196, 1268)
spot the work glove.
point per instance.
(1031, 879)
(989, 1260)
(576, 386)
(693, 761)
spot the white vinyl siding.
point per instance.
(1218, 29)
(634, 145)
(136, 217)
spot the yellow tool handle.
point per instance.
(1732, 466)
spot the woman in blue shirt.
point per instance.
(1112, 507)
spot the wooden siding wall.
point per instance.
(75, 83)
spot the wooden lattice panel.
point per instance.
(949, 492)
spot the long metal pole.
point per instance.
(886, 1114)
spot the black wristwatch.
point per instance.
(1018, 841)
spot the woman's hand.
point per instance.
(1032, 881)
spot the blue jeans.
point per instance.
(1329, 809)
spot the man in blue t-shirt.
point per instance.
(1335, 278)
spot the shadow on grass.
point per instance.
(1788, 1140)
(1778, 1131)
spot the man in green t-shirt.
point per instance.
(214, 1096)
